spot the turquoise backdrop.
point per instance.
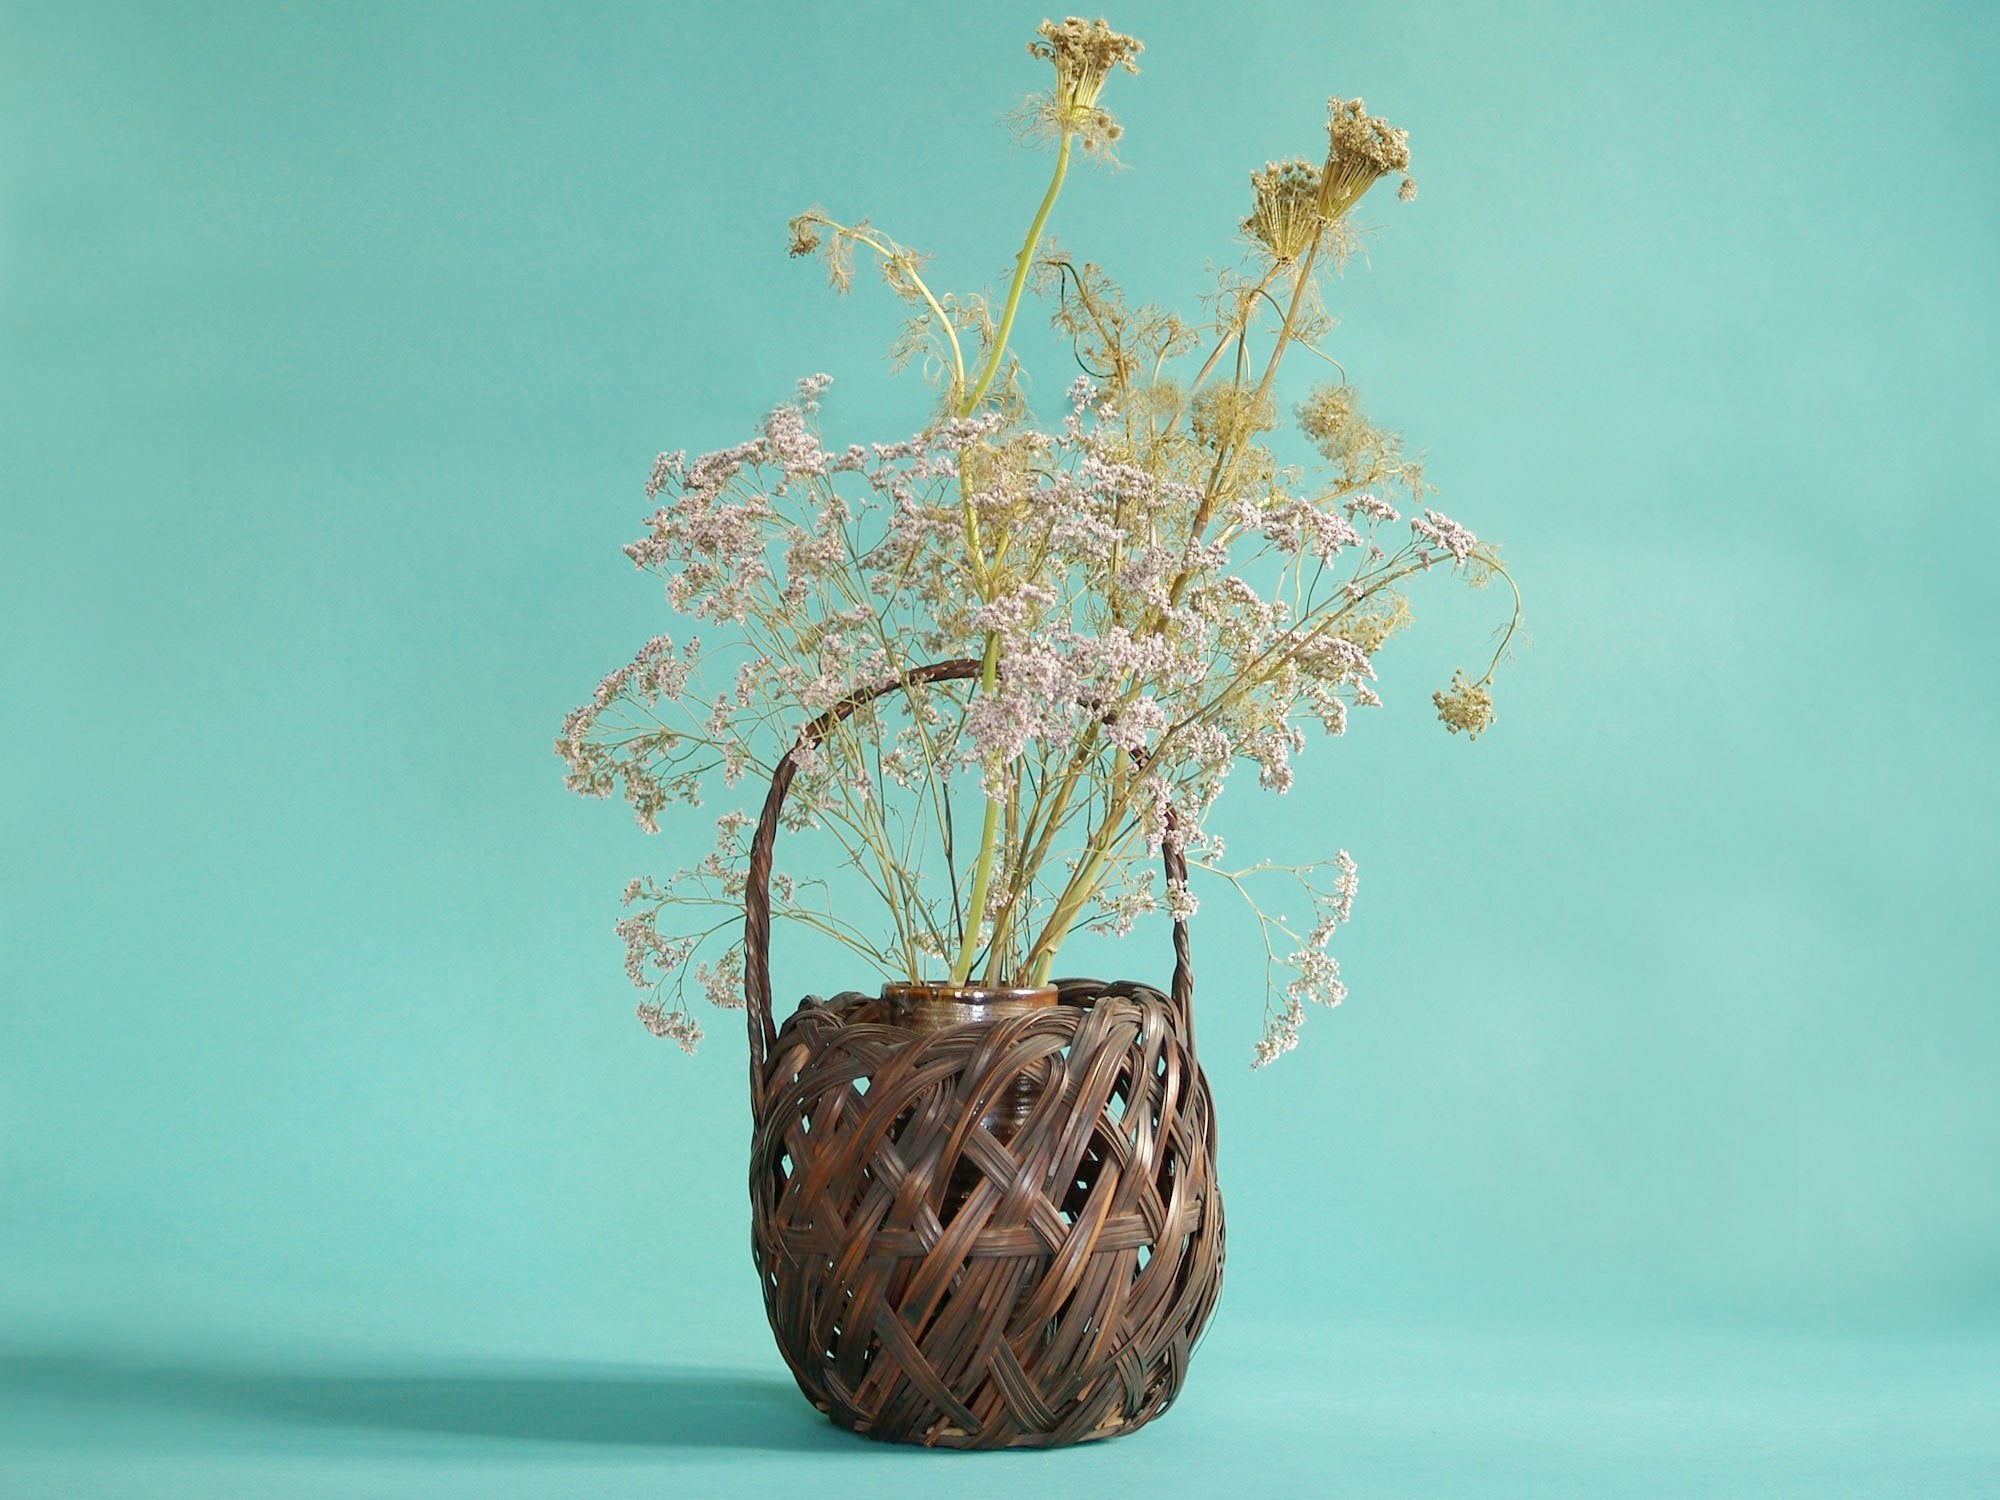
(1657, 1151)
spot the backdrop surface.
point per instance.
(1655, 1152)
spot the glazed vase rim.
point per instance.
(968, 994)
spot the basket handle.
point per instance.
(757, 889)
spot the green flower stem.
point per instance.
(1021, 265)
(901, 259)
(1231, 452)
(989, 832)
(1106, 839)
(1093, 874)
(989, 839)
(1003, 919)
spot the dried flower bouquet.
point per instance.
(1152, 592)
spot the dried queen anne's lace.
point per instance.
(1150, 595)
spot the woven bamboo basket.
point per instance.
(933, 1280)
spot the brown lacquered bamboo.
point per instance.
(942, 1267)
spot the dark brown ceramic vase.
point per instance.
(935, 1004)
(932, 1006)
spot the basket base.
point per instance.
(947, 1435)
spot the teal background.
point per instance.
(1658, 1149)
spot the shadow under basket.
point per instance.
(998, 1234)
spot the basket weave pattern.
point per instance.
(930, 1282)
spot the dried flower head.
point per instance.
(1440, 531)
(1224, 414)
(1371, 631)
(676, 1026)
(1084, 54)
(1360, 148)
(1330, 416)
(1362, 454)
(1466, 706)
(1285, 215)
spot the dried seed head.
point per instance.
(1372, 631)
(1360, 148)
(1361, 453)
(1466, 706)
(1084, 53)
(1224, 415)
(805, 234)
(1329, 417)
(1285, 215)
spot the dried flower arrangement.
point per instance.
(1151, 592)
